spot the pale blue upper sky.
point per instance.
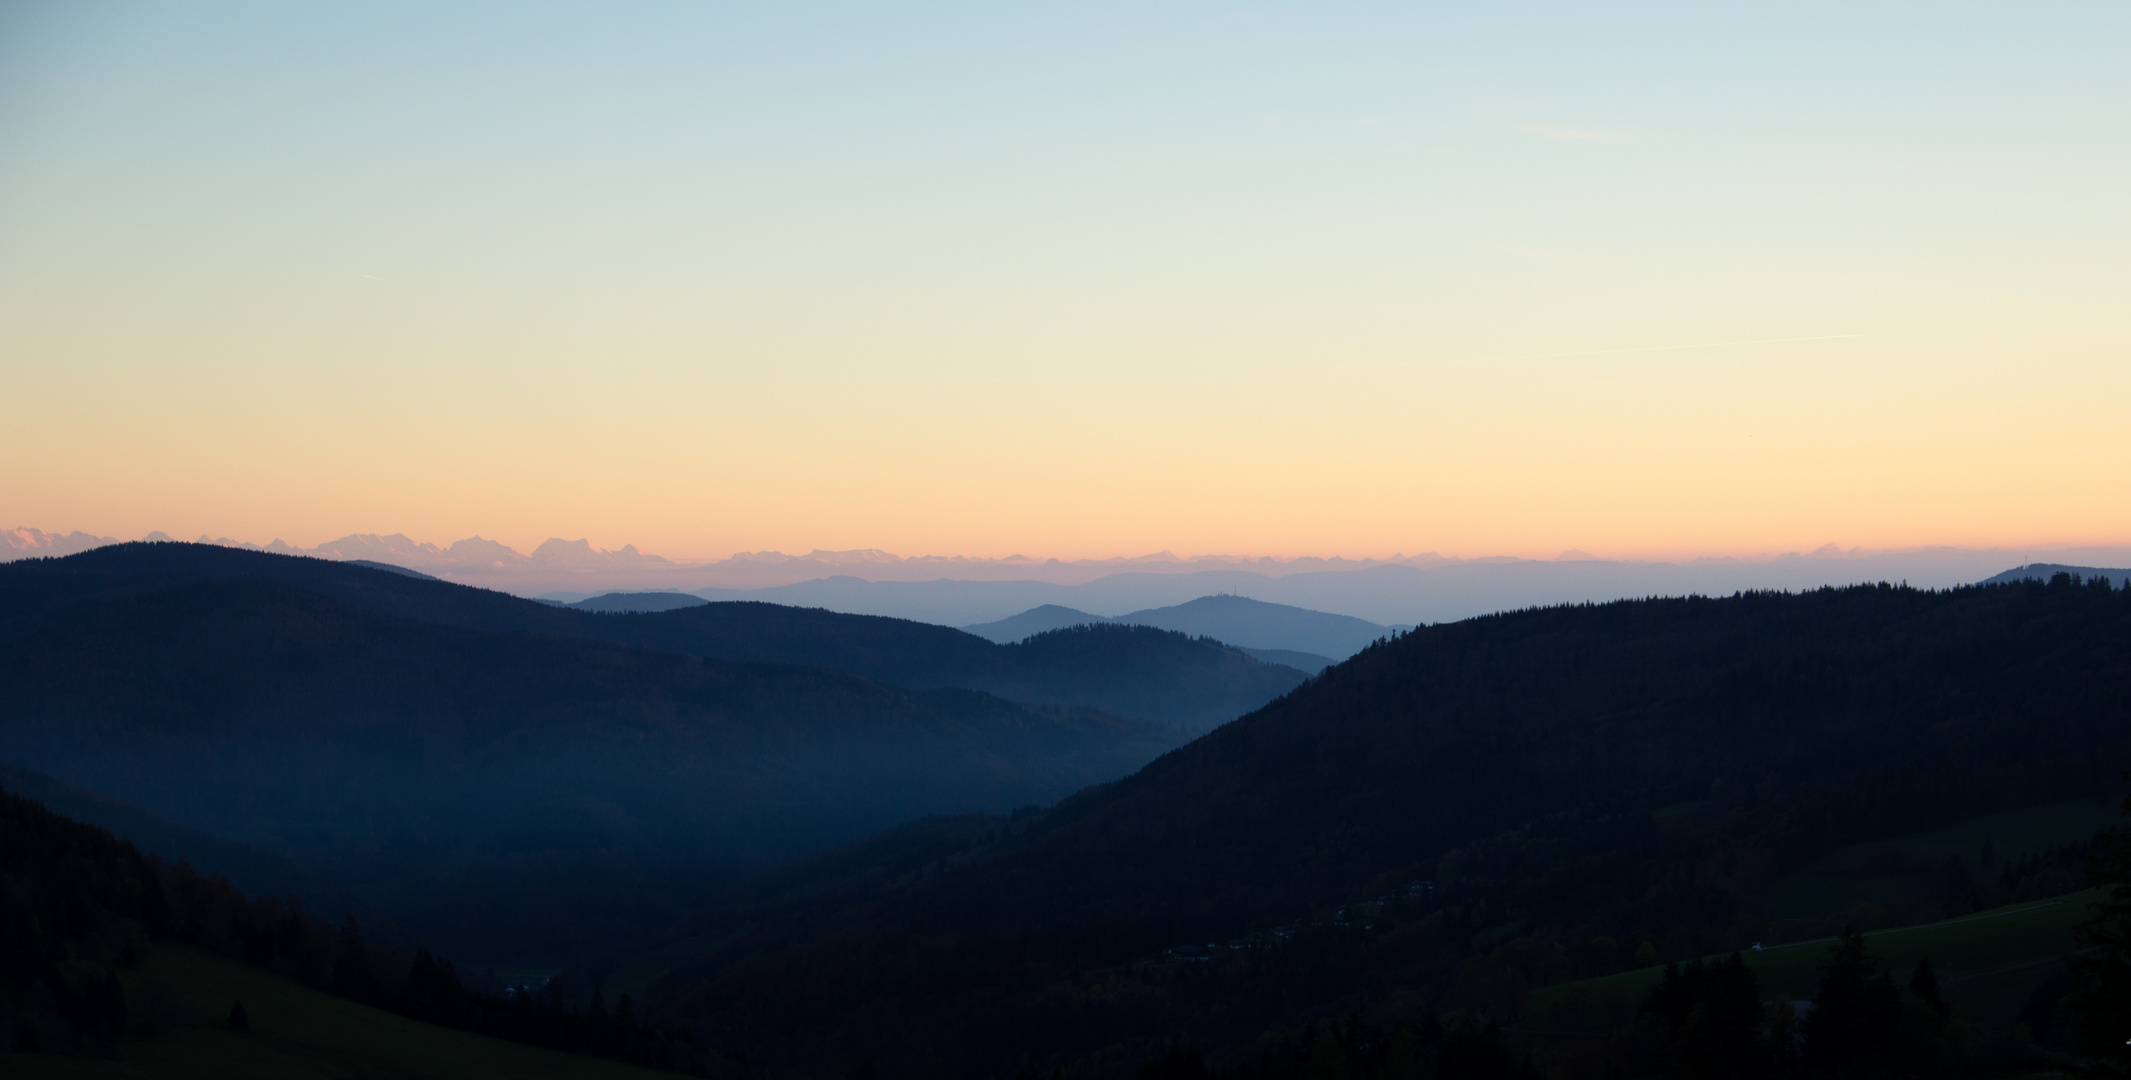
(705, 277)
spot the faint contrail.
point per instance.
(1660, 348)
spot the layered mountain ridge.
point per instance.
(442, 749)
(962, 590)
(1319, 637)
(1576, 777)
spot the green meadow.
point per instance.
(184, 996)
(1987, 963)
(1865, 874)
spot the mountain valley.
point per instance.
(826, 843)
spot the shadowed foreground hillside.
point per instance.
(250, 869)
(1460, 814)
(117, 964)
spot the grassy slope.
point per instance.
(1986, 964)
(295, 1032)
(1846, 878)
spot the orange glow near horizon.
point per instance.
(1621, 472)
(1737, 451)
(722, 281)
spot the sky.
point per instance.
(1070, 280)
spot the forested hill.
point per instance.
(1194, 683)
(515, 797)
(251, 869)
(1138, 672)
(79, 906)
(1636, 771)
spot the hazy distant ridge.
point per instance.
(1393, 595)
(2046, 571)
(444, 750)
(1236, 620)
(959, 591)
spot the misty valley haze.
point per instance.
(962, 591)
(816, 841)
(1064, 541)
(507, 747)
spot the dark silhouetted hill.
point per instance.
(107, 952)
(1139, 671)
(1248, 623)
(391, 569)
(2046, 571)
(638, 601)
(1205, 684)
(251, 869)
(1252, 625)
(1459, 814)
(514, 795)
(1136, 671)
(1036, 620)
(1307, 663)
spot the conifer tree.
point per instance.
(2102, 1004)
(1857, 1010)
(351, 964)
(1712, 1014)
(1925, 985)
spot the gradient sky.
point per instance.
(1070, 281)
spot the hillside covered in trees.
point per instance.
(80, 909)
(448, 774)
(1449, 817)
(1139, 672)
(1452, 820)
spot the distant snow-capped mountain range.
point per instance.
(580, 561)
(960, 591)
